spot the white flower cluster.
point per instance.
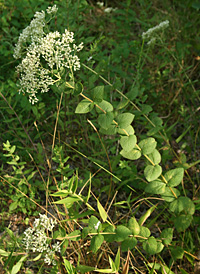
(53, 9)
(151, 33)
(100, 4)
(44, 54)
(106, 10)
(33, 33)
(36, 240)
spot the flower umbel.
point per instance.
(45, 54)
(152, 33)
(36, 240)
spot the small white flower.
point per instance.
(100, 4)
(109, 9)
(53, 9)
(90, 58)
(152, 41)
(56, 247)
(153, 32)
(97, 225)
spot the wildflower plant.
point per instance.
(48, 58)
(46, 55)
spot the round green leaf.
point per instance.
(177, 252)
(160, 247)
(168, 196)
(134, 226)
(151, 173)
(130, 130)
(155, 156)
(128, 142)
(156, 187)
(134, 154)
(84, 106)
(122, 232)
(153, 131)
(167, 235)
(144, 232)
(106, 106)
(147, 145)
(124, 119)
(92, 223)
(109, 237)
(98, 93)
(96, 242)
(174, 176)
(182, 222)
(85, 232)
(128, 244)
(105, 120)
(182, 204)
(109, 131)
(150, 245)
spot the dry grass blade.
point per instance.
(126, 266)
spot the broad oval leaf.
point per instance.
(160, 247)
(128, 142)
(174, 176)
(106, 106)
(155, 157)
(182, 222)
(98, 93)
(128, 244)
(105, 120)
(182, 204)
(125, 119)
(109, 237)
(177, 252)
(151, 173)
(134, 154)
(85, 232)
(122, 232)
(93, 221)
(96, 242)
(144, 232)
(167, 235)
(168, 195)
(147, 145)
(150, 245)
(134, 226)
(110, 131)
(130, 130)
(84, 106)
(156, 187)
